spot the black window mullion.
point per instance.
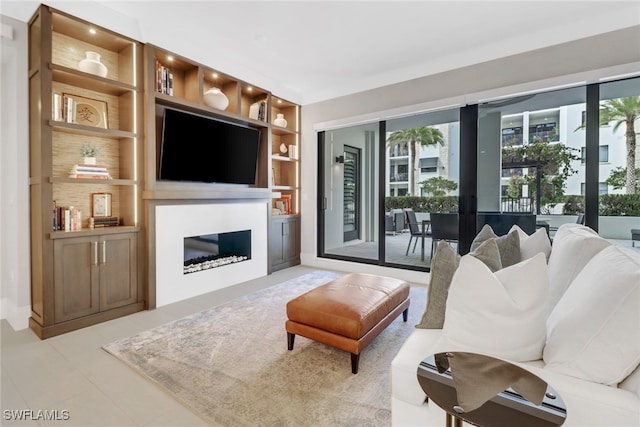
(592, 166)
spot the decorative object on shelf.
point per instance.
(215, 98)
(283, 149)
(100, 204)
(293, 151)
(88, 153)
(280, 120)
(92, 65)
(85, 111)
(57, 112)
(257, 111)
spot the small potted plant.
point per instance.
(88, 153)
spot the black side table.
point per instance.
(489, 392)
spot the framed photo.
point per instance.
(85, 111)
(100, 204)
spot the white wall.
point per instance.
(515, 74)
(14, 176)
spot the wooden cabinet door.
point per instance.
(276, 241)
(76, 278)
(118, 267)
(291, 239)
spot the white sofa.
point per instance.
(589, 402)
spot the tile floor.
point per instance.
(72, 373)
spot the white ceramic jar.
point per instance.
(215, 98)
(92, 65)
(280, 120)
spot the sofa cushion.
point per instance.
(501, 314)
(404, 367)
(573, 246)
(509, 245)
(594, 330)
(533, 243)
(444, 264)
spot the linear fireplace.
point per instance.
(215, 250)
(174, 222)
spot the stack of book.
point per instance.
(106, 221)
(89, 171)
(66, 218)
(164, 79)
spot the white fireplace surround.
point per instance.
(175, 222)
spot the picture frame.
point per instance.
(85, 111)
(284, 204)
(100, 204)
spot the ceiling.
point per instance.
(309, 51)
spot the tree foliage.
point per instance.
(438, 186)
(554, 161)
(625, 111)
(618, 179)
(423, 136)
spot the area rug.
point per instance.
(230, 364)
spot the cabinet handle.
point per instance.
(95, 253)
(104, 252)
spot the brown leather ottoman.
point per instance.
(347, 313)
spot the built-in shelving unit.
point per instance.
(87, 275)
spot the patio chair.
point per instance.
(415, 230)
(444, 226)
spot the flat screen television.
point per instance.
(202, 149)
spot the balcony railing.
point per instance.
(399, 177)
(518, 204)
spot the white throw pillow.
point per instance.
(501, 314)
(594, 330)
(573, 246)
(532, 244)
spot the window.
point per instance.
(603, 188)
(429, 165)
(603, 154)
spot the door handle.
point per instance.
(104, 252)
(94, 261)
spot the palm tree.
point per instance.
(627, 111)
(423, 136)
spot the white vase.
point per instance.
(88, 160)
(215, 98)
(280, 121)
(92, 65)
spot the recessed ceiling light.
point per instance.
(215, 75)
(249, 88)
(92, 30)
(169, 58)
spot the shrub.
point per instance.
(619, 205)
(573, 205)
(423, 204)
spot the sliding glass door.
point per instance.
(537, 160)
(529, 168)
(421, 178)
(349, 194)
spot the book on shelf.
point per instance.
(164, 79)
(69, 109)
(66, 218)
(89, 172)
(57, 107)
(106, 221)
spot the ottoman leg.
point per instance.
(405, 315)
(290, 338)
(355, 360)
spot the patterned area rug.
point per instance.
(230, 364)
